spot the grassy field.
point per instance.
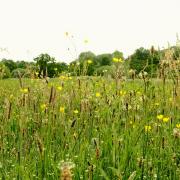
(89, 128)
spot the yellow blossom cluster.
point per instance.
(89, 61)
(24, 90)
(147, 128)
(61, 109)
(98, 94)
(117, 60)
(163, 118)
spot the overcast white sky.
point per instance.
(31, 27)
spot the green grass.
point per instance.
(106, 139)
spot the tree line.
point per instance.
(88, 63)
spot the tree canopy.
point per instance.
(88, 63)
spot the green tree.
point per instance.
(86, 55)
(42, 62)
(85, 68)
(10, 64)
(54, 69)
(104, 59)
(61, 67)
(118, 54)
(22, 64)
(4, 71)
(20, 72)
(144, 59)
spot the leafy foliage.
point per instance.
(145, 60)
(4, 71)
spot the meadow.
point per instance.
(89, 128)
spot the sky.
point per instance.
(31, 27)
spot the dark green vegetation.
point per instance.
(88, 64)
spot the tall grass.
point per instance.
(89, 128)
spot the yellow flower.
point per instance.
(122, 93)
(61, 109)
(156, 104)
(89, 61)
(130, 122)
(165, 119)
(43, 107)
(24, 90)
(11, 96)
(62, 77)
(147, 128)
(59, 88)
(98, 94)
(160, 117)
(76, 111)
(117, 60)
(75, 135)
(178, 126)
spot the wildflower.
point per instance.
(178, 126)
(165, 119)
(117, 60)
(147, 128)
(24, 90)
(176, 133)
(89, 61)
(59, 88)
(122, 93)
(62, 77)
(160, 117)
(66, 168)
(76, 111)
(75, 135)
(61, 109)
(43, 107)
(98, 94)
(11, 96)
(156, 104)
